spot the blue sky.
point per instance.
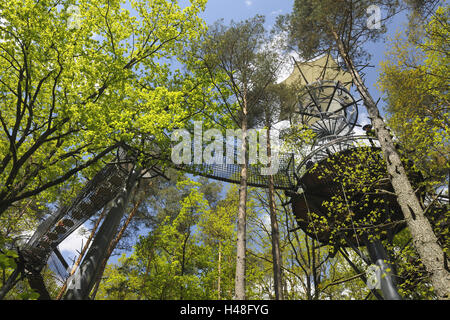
(238, 10)
(242, 9)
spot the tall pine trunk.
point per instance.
(275, 233)
(424, 239)
(241, 244)
(83, 251)
(219, 271)
(112, 246)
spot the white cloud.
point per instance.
(288, 66)
(276, 12)
(248, 3)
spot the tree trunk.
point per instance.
(276, 253)
(10, 283)
(83, 251)
(83, 280)
(242, 214)
(183, 263)
(424, 239)
(111, 248)
(219, 271)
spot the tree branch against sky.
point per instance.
(79, 77)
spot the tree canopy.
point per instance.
(79, 77)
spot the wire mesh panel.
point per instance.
(283, 179)
(228, 169)
(97, 193)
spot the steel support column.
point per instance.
(83, 280)
(379, 257)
